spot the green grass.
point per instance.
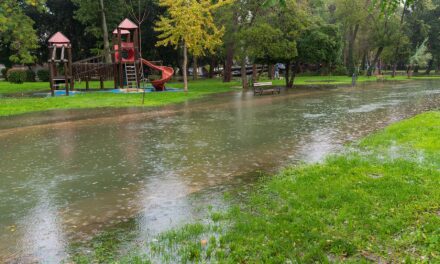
(12, 88)
(8, 88)
(352, 208)
(368, 205)
(419, 133)
(344, 80)
(13, 106)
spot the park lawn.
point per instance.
(367, 205)
(10, 88)
(345, 80)
(13, 88)
(19, 105)
(14, 106)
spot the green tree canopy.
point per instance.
(18, 38)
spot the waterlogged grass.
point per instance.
(419, 133)
(368, 205)
(107, 248)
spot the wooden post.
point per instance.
(101, 82)
(51, 73)
(66, 81)
(115, 67)
(115, 75)
(87, 82)
(121, 81)
(135, 44)
(69, 58)
(137, 55)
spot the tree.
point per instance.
(420, 58)
(18, 38)
(352, 15)
(390, 6)
(385, 32)
(320, 44)
(431, 19)
(190, 23)
(100, 17)
(60, 17)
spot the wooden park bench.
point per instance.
(259, 88)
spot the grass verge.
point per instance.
(379, 202)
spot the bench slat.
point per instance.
(259, 84)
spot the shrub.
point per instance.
(16, 75)
(30, 76)
(4, 73)
(43, 75)
(340, 70)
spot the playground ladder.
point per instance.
(131, 75)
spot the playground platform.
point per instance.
(117, 91)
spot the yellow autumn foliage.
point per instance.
(191, 22)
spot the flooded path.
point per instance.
(67, 175)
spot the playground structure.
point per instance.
(124, 65)
(58, 45)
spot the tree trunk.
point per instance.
(409, 71)
(244, 80)
(394, 70)
(108, 58)
(254, 72)
(429, 68)
(270, 71)
(227, 71)
(287, 75)
(437, 68)
(416, 69)
(364, 60)
(350, 56)
(374, 63)
(294, 71)
(184, 67)
(211, 68)
(380, 66)
(396, 52)
(195, 68)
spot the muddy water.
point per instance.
(67, 175)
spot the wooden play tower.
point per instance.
(127, 57)
(60, 54)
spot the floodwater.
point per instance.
(67, 175)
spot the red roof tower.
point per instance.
(58, 39)
(127, 24)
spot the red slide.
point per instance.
(167, 73)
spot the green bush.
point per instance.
(16, 75)
(43, 75)
(4, 73)
(340, 70)
(30, 76)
